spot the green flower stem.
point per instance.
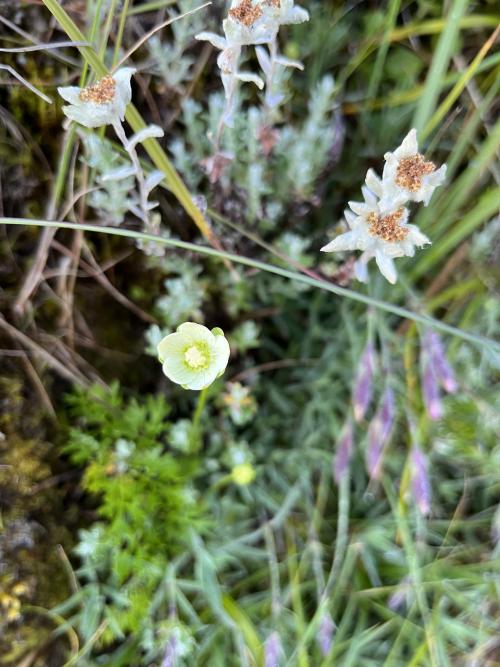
(270, 268)
(196, 432)
(135, 120)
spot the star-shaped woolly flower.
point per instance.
(103, 103)
(247, 23)
(407, 173)
(285, 12)
(380, 229)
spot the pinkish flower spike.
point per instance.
(430, 391)
(343, 453)
(273, 650)
(420, 483)
(325, 634)
(434, 346)
(363, 387)
(379, 433)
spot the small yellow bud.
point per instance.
(243, 474)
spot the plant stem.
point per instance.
(470, 337)
(195, 428)
(139, 174)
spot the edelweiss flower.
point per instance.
(407, 173)
(104, 103)
(194, 356)
(285, 12)
(380, 231)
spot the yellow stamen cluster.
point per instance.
(411, 170)
(195, 358)
(387, 227)
(246, 13)
(273, 3)
(101, 92)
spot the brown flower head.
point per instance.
(246, 13)
(410, 171)
(388, 227)
(101, 92)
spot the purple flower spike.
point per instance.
(363, 387)
(325, 634)
(430, 391)
(273, 650)
(170, 657)
(379, 433)
(420, 483)
(444, 372)
(343, 453)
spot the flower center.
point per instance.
(195, 357)
(387, 227)
(411, 170)
(101, 92)
(246, 13)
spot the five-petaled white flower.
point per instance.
(380, 230)
(194, 356)
(104, 103)
(407, 173)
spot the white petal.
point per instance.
(201, 380)
(70, 93)
(191, 331)
(359, 208)
(123, 93)
(350, 217)
(417, 237)
(373, 182)
(386, 266)
(90, 114)
(221, 354)
(409, 145)
(369, 197)
(347, 241)
(295, 15)
(173, 344)
(216, 40)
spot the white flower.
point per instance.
(104, 103)
(380, 230)
(285, 12)
(407, 173)
(194, 356)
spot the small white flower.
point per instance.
(104, 103)
(194, 356)
(407, 173)
(380, 230)
(285, 11)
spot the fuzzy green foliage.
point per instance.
(143, 500)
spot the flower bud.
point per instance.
(420, 484)
(325, 634)
(363, 387)
(430, 391)
(343, 453)
(273, 650)
(433, 344)
(379, 433)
